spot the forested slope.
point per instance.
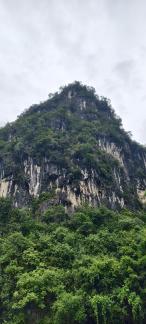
(89, 267)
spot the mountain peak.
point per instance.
(78, 89)
(73, 147)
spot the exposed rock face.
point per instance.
(142, 196)
(33, 173)
(68, 148)
(4, 187)
(113, 150)
(88, 189)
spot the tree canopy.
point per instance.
(88, 267)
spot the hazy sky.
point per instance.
(45, 44)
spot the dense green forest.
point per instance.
(87, 267)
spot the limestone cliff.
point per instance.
(73, 147)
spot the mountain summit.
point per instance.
(74, 149)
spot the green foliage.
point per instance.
(69, 308)
(88, 267)
(5, 210)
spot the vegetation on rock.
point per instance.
(74, 131)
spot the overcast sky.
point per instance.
(45, 44)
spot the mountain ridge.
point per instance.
(73, 147)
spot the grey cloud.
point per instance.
(142, 131)
(125, 69)
(45, 44)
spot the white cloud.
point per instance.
(46, 44)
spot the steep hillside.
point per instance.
(65, 258)
(74, 148)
